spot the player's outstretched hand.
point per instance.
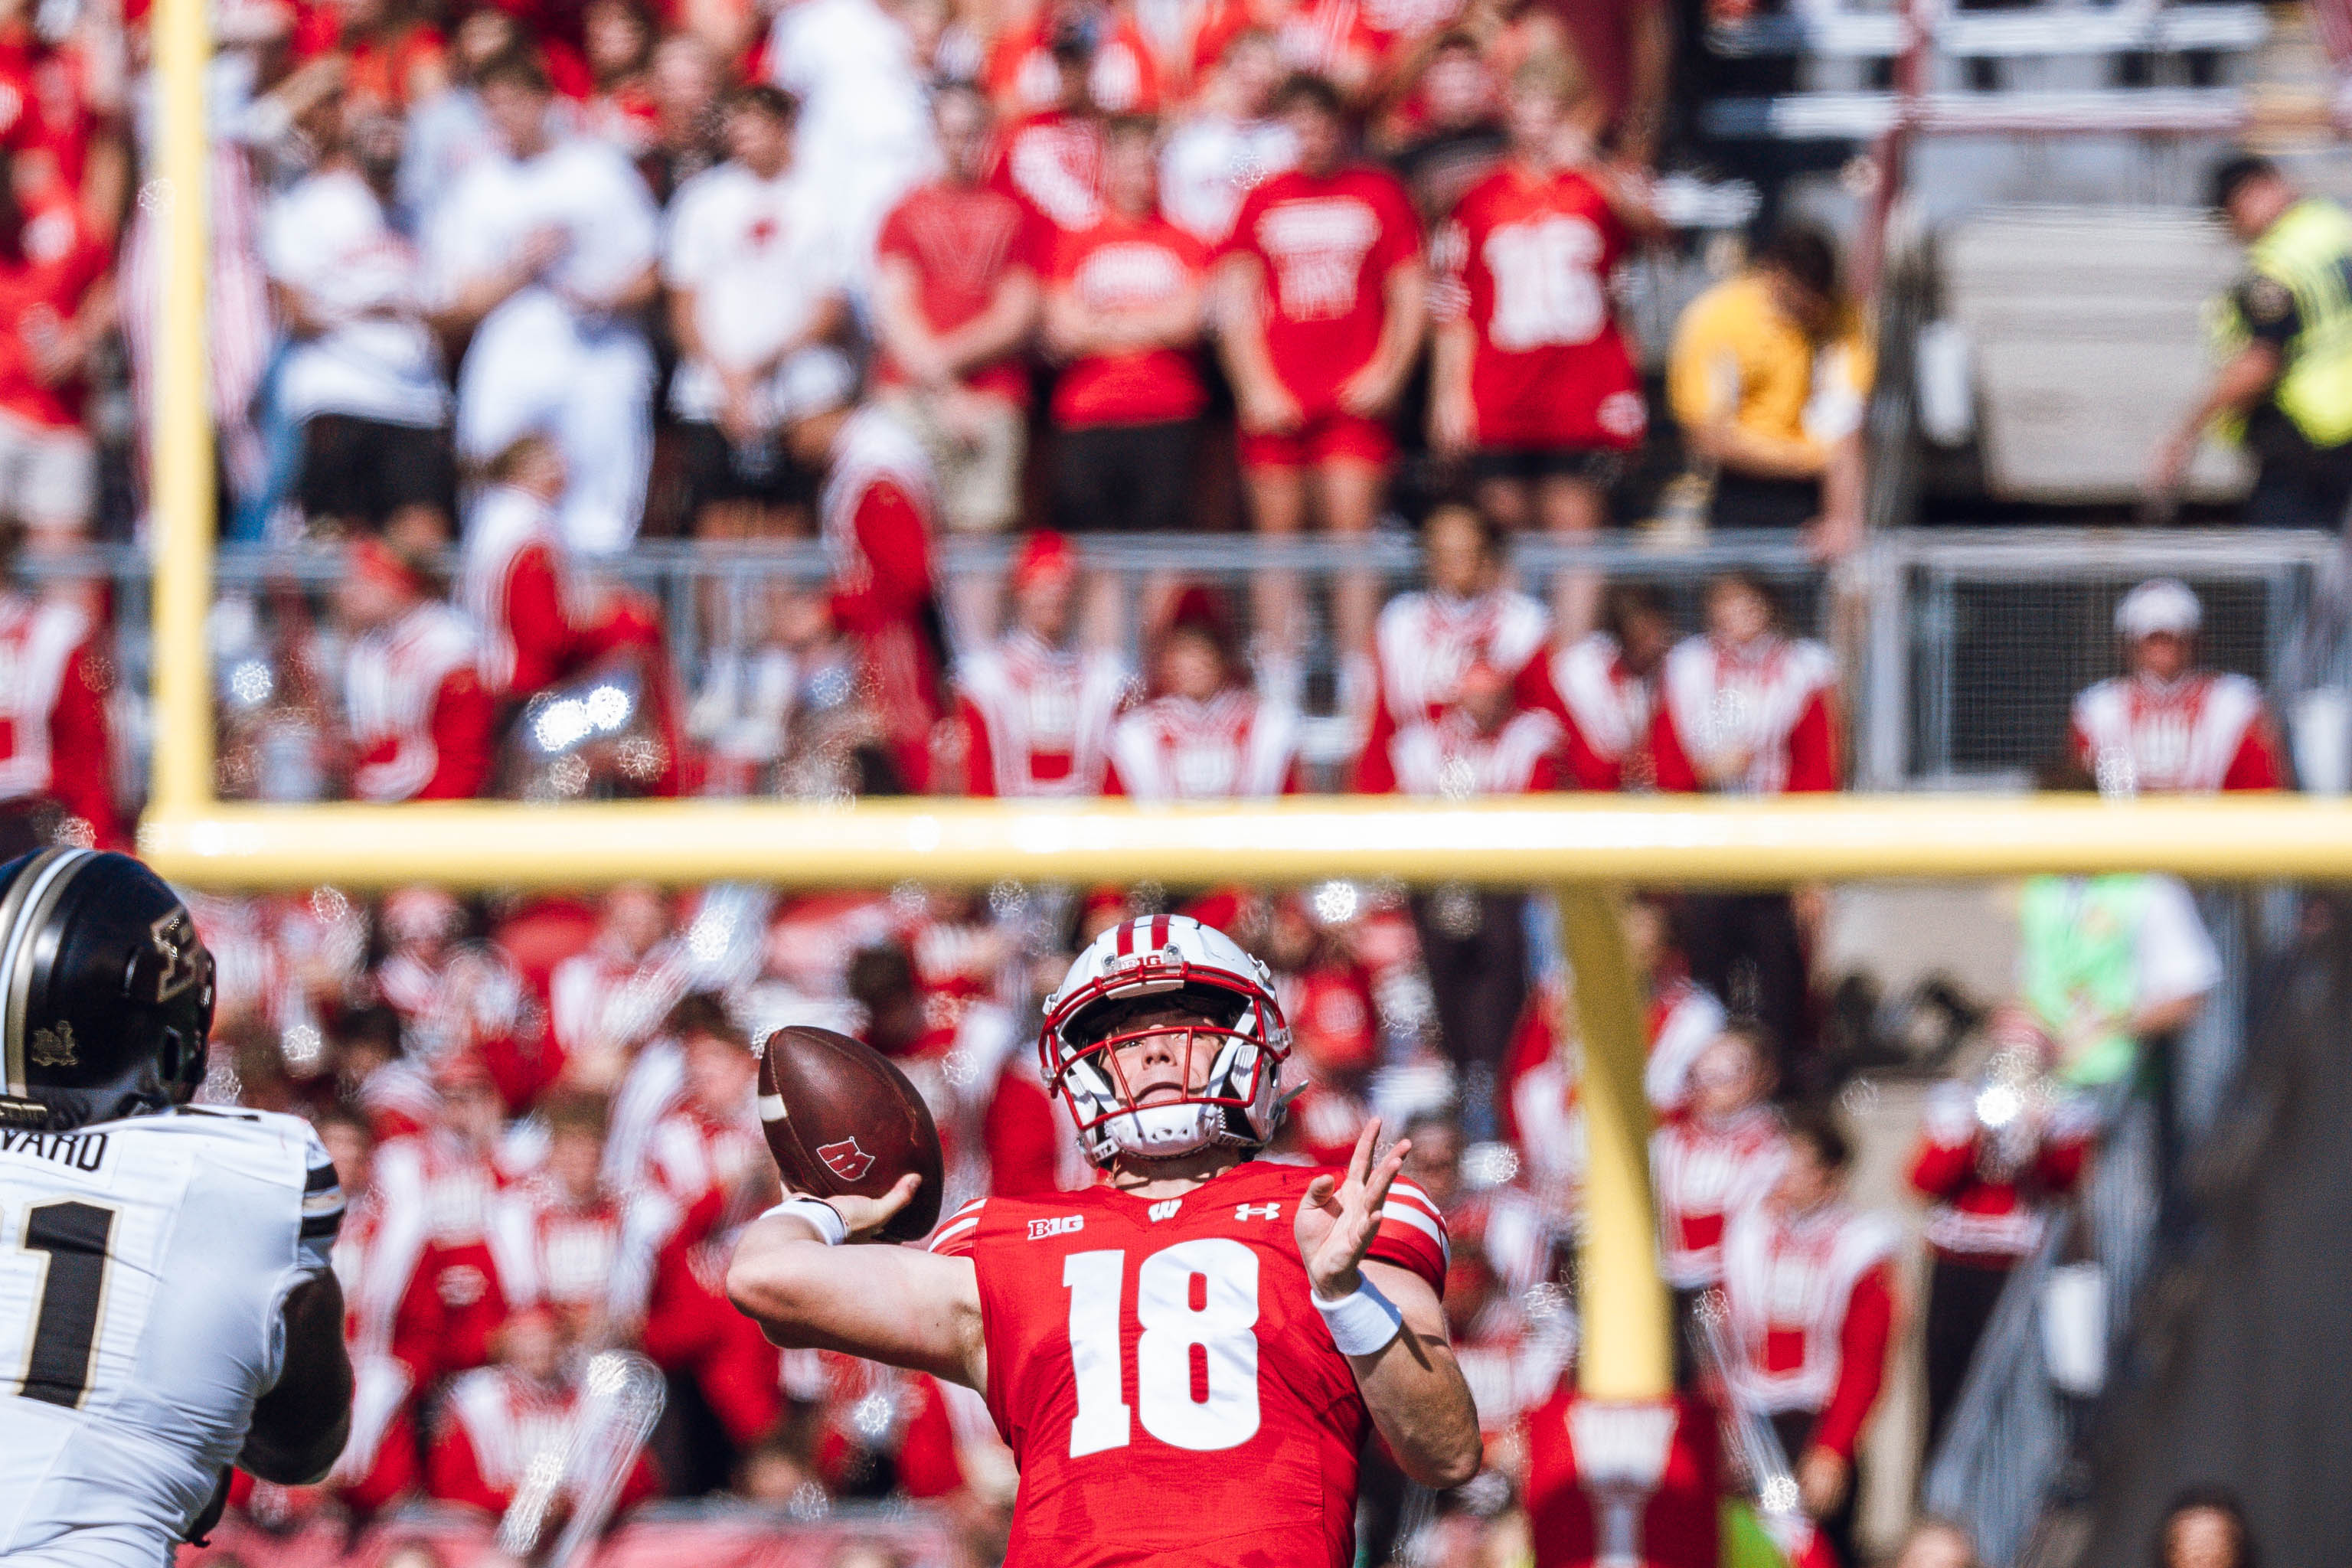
(1340, 1214)
(865, 1217)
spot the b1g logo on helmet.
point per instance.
(845, 1159)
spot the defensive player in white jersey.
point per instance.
(167, 1306)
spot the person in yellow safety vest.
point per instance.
(2286, 326)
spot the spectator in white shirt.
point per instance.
(362, 374)
(449, 130)
(865, 125)
(544, 248)
(1228, 143)
(754, 268)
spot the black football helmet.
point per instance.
(106, 993)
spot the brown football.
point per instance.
(841, 1120)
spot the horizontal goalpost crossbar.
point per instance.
(1523, 841)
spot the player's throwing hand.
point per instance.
(1339, 1216)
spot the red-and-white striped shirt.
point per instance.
(1037, 719)
(1453, 758)
(1756, 719)
(1705, 1173)
(1234, 746)
(2203, 732)
(419, 715)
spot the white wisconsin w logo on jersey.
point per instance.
(1166, 1208)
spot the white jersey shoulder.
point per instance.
(145, 1264)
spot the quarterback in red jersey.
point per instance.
(1195, 1302)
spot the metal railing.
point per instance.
(1963, 648)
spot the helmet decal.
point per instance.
(23, 915)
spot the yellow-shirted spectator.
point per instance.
(1768, 378)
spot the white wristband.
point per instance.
(831, 1228)
(1360, 1321)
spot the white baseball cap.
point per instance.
(2158, 604)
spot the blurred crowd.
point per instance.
(498, 291)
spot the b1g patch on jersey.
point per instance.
(1059, 1225)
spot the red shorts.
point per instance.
(1319, 439)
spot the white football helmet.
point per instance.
(1166, 957)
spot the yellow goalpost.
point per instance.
(1584, 847)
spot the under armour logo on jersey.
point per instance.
(845, 1159)
(1262, 1211)
(1060, 1224)
(1166, 1208)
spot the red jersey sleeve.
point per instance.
(1812, 750)
(955, 1236)
(1862, 1362)
(536, 622)
(1942, 1168)
(979, 761)
(897, 553)
(79, 745)
(1375, 769)
(463, 719)
(1670, 763)
(895, 239)
(1401, 239)
(2256, 765)
(1413, 1235)
(452, 1473)
(1241, 239)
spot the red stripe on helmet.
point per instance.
(1159, 933)
(1126, 939)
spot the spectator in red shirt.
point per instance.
(541, 623)
(876, 515)
(1994, 1154)
(1122, 71)
(1052, 161)
(393, 57)
(1324, 295)
(955, 296)
(1678, 1513)
(617, 37)
(1809, 1298)
(1531, 378)
(1123, 317)
(420, 717)
(56, 779)
(56, 296)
